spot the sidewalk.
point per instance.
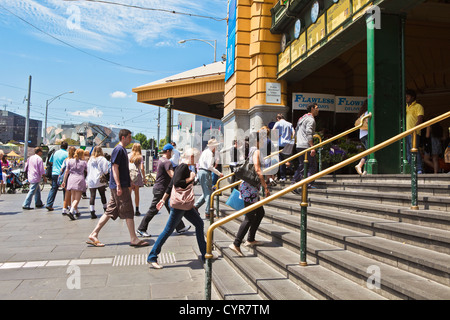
(43, 255)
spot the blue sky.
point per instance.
(108, 50)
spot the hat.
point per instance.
(167, 147)
(191, 152)
(213, 143)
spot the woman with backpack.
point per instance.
(97, 167)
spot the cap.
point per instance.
(167, 147)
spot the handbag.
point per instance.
(134, 172)
(246, 172)
(61, 176)
(235, 201)
(182, 199)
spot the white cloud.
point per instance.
(106, 27)
(88, 113)
(119, 94)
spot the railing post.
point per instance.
(303, 212)
(208, 280)
(414, 151)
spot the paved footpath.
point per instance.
(43, 255)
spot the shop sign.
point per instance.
(301, 100)
(348, 104)
(316, 32)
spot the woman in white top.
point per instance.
(96, 167)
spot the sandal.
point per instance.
(95, 243)
(141, 243)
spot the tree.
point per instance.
(142, 138)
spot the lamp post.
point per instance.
(210, 42)
(46, 110)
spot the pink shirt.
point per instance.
(35, 169)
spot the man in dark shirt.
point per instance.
(164, 174)
(120, 203)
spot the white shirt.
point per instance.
(95, 168)
(175, 158)
(285, 131)
(207, 160)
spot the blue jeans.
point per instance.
(35, 191)
(175, 217)
(205, 180)
(408, 152)
(52, 194)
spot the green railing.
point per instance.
(304, 204)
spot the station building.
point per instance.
(282, 55)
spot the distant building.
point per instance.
(12, 127)
(84, 134)
(196, 130)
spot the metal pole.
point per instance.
(303, 222)
(414, 151)
(27, 124)
(169, 120)
(215, 50)
(45, 126)
(208, 281)
(372, 167)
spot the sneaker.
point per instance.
(184, 229)
(142, 234)
(137, 213)
(297, 191)
(419, 172)
(93, 215)
(236, 250)
(272, 182)
(282, 180)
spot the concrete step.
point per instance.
(398, 244)
(263, 279)
(395, 283)
(318, 281)
(422, 179)
(439, 189)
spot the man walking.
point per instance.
(306, 126)
(414, 117)
(35, 171)
(57, 159)
(120, 203)
(285, 134)
(206, 168)
(164, 174)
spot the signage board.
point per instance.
(337, 14)
(298, 47)
(345, 104)
(316, 32)
(301, 100)
(273, 92)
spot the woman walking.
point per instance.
(74, 179)
(68, 195)
(183, 179)
(250, 194)
(136, 173)
(97, 166)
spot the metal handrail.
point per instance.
(297, 185)
(322, 143)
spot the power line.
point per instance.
(74, 47)
(152, 9)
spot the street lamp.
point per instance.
(46, 110)
(210, 42)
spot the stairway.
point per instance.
(363, 242)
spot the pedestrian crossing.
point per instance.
(117, 261)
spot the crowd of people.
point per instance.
(76, 170)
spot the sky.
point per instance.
(101, 50)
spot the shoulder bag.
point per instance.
(246, 172)
(182, 199)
